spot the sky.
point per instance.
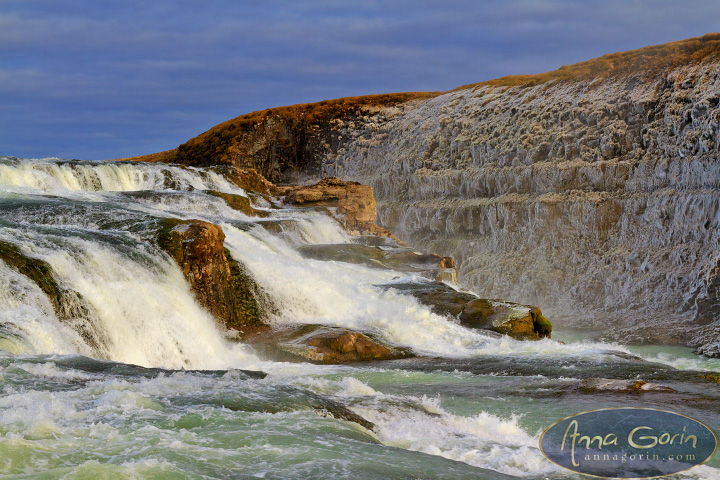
(96, 80)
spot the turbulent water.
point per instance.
(139, 381)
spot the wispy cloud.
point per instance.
(80, 78)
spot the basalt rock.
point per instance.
(70, 306)
(218, 282)
(590, 385)
(321, 344)
(522, 322)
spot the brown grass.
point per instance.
(212, 147)
(648, 60)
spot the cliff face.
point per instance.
(598, 200)
(593, 191)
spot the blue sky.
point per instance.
(91, 79)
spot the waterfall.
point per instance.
(122, 298)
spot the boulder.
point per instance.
(522, 322)
(590, 385)
(320, 344)
(351, 199)
(219, 283)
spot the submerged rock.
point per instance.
(522, 322)
(218, 282)
(239, 203)
(321, 344)
(70, 306)
(590, 385)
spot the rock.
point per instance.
(248, 179)
(219, 283)
(345, 252)
(239, 203)
(321, 344)
(351, 199)
(36, 270)
(447, 262)
(590, 385)
(522, 322)
(70, 306)
(712, 377)
(442, 299)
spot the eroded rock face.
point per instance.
(218, 282)
(597, 199)
(321, 344)
(590, 385)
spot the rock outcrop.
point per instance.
(522, 322)
(354, 201)
(218, 282)
(321, 344)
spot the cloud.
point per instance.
(90, 79)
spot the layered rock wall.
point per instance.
(598, 200)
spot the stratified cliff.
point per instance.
(592, 191)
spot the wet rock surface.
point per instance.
(590, 385)
(218, 282)
(321, 344)
(522, 322)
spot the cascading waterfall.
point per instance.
(76, 399)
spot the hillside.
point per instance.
(279, 142)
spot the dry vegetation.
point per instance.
(648, 60)
(221, 144)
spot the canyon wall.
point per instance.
(598, 200)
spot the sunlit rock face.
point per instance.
(598, 201)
